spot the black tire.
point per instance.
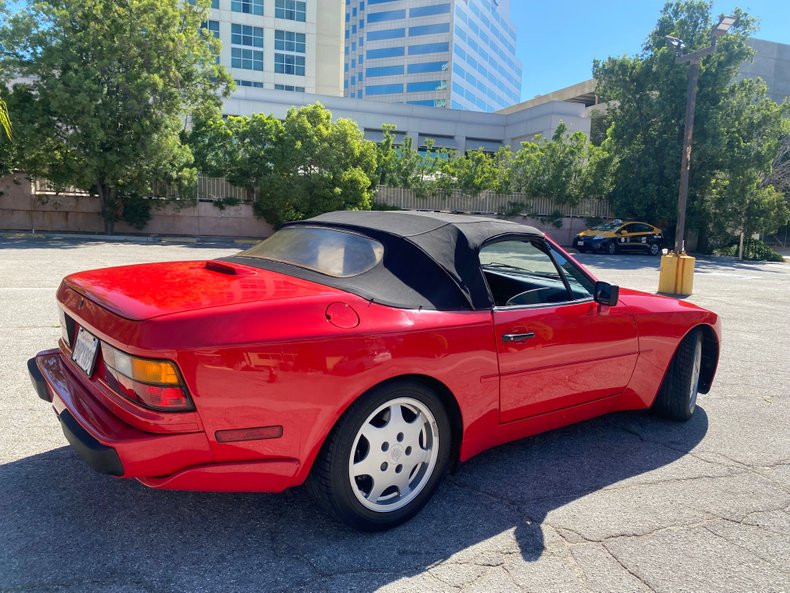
(654, 249)
(418, 418)
(677, 397)
(611, 248)
(580, 250)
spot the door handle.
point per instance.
(517, 337)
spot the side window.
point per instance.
(643, 228)
(521, 272)
(579, 283)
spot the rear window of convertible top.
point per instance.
(337, 253)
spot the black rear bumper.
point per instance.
(38, 381)
(101, 458)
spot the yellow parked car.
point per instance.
(617, 235)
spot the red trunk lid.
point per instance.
(144, 291)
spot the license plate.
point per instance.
(85, 349)
(581, 242)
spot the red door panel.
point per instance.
(557, 356)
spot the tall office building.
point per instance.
(458, 54)
(291, 45)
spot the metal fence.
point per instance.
(210, 189)
(490, 203)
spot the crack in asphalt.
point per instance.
(634, 574)
(745, 549)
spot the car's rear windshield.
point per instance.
(336, 253)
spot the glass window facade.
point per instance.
(293, 10)
(247, 6)
(288, 87)
(471, 62)
(384, 71)
(430, 10)
(427, 67)
(246, 35)
(249, 83)
(428, 48)
(385, 52)
(386, 15)
(213, 27)
(429, 29)
(386, 34)
(289, 64)
(289, 41)
(383, 89)
(247, 59)
(425, 85)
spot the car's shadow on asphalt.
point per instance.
(62, 523)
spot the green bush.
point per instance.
(136, 211)
(753, 250)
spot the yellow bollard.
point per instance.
(677, 274)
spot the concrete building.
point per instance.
(449, 128)
(290, 45)
(772, 64)
(458, 54)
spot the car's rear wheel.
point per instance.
(611, 248)
(385, 457)
(654, 248)
(677, 397)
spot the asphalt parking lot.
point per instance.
(627, 502)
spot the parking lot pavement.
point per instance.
(626, 502)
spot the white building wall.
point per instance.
(451, 128)
(323, 30)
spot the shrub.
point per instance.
(753, 250)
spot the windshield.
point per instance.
(328, 251)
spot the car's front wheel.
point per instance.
(654, 248)
(385, 457)
(677, 397)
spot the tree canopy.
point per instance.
(294, 169)
(736, 132)
(107, 88)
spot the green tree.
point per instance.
(5, 119)
(6, 148)
(567, 168)
(471, 173)
(735, 133)
(111, 87)
(316, 166)
(294, 169)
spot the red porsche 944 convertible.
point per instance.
(363, 353)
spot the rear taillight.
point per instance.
(154, 384)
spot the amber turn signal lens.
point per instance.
(160, 372)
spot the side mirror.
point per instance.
(606, 294)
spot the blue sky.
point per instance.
(558, 39)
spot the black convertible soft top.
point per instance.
(430, 258)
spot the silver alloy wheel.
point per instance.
(695, 370)
(393, 455)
